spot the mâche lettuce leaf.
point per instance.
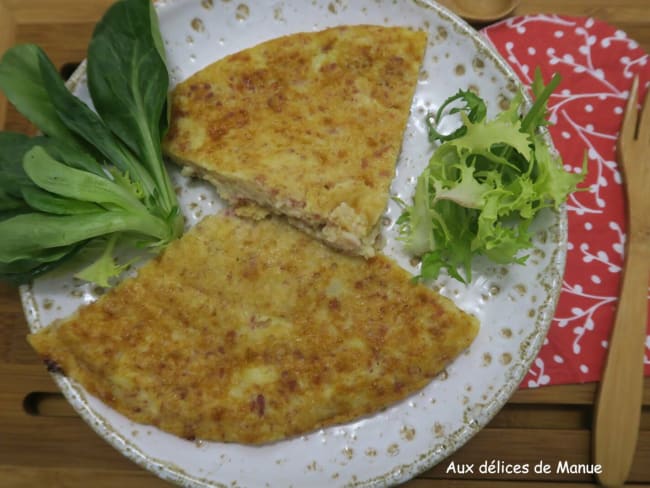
(94, 175)
(484, 184)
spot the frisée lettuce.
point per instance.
(484, 184)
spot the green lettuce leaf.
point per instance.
(484, 185)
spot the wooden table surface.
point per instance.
(44, 443)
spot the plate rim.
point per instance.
(75, 393)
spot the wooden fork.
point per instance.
(619, 399)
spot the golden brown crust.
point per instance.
(309, 125)
(250, 331)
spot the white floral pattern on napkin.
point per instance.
(597, 63)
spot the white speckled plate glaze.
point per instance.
(515, 304)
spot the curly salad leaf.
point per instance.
(95, 176)
(484, 185)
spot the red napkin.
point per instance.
(597, 63)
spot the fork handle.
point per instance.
(619, 400)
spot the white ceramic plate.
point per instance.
(515, 304)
